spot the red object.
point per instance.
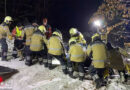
(48, 28)
(14, 32)
(1, 79)
(49, 32)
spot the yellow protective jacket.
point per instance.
(76, 53)
(4, 31)
(37, 41)
(81, 39)
(27, 32)
(55, 46)
(115, 59)
(98, 52)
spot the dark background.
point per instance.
(61, 14)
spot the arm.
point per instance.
(89, 50)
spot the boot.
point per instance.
(71, 75)
(65, 71)
(41, 62)
(50, 66)
(28, 63)
(98, 83)
(45, 65)
(81, 78)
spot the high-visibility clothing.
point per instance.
(37, 41)
(98, 52)
(77, 53)
(4, 31)
(55, 46)
(27, 32)
(18, 32)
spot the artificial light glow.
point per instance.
(97, 23)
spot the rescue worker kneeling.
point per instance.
(97, 51)
(56, 49)
(77, 57)
(38, 40)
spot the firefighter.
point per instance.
(77, 57)
(38, 40)
(74, 33)
(56, 49)
(48, 28)
(18, 42)
(26, 36)
(5, 32)
(116, 61)
(97, 51)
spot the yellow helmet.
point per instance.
(73, 39)
(42, 28)
(73, 31)
(94, 36)
(57, 33)
(8, 19)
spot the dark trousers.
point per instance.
(59, 57)
(18, 45)
(99, 71)
(76, 66)
(4, 48)
(40, 55)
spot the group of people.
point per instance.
(39, 43)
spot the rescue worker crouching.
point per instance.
(56, 49)
(77, 57)
(18, 42)
(38, 40)
(97, 51)
(5, 32)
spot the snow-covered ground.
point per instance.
(37, 77)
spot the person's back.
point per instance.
(99, 53)
(37, 41)
(55, 46)
(28, 31)
(4, 30)
(77, 54)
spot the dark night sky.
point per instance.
(62, 14)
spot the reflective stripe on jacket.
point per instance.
(77, 53)
(37, 41)
(55, 46)
(98, 52)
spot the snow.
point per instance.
(37, 77)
